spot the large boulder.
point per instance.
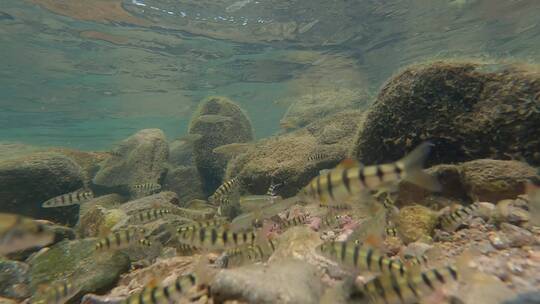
(484, 180)
(28, 181)
(296, 157)
(181, 153)
(233, 127)
(311, 107)
(185, 182)
(78, 262)
(469, 110)
(141, 158)
(14, 279)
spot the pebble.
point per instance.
(517, 236)
(485, 210)
(499, 240)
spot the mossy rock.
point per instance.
(141, 158)
(78, 262)
(185, 182)
(416, 223)
(13, 279)
(295, 158)
(469, 110)
(32, 179)
(235, 128)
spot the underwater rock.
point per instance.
(108, 201)
(507, 211)
(181, 153)
(78, 262)
(89, 161)
(98, 221)
(469, 110)
(483, 288)
(517, 236)
(14, 279)
(165, 199)
(185, 182)
(161, 270)
(288, 281)
(234, 128)
(298, 243)
(140, 159)
(316, 106)
(296, 157)
(478, 180)
(30, 180)
(416, 223)
(493, 180)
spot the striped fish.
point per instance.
(273, 188)
(317, 157)
(330, 220)
(215, 238)
(146, 188)
(68, 199)
(171, 293)
(122, 239)
(295, 221)
(19, 233)
(186, 249)
(192, 214)
(408, 289)
(224, 190)
(146, 216)
(243, 255)
(360, 257)
(451, 221)
(57, 294)
(391, 231)
(344, 184)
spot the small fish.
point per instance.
(350, 183)
(171, 293)
(214, 238)
(295, 221)
(146, 216)
(413, 261)
(214, 119)
(115, 153)
(251, 203)
(318, 156)
(360, 257)
(272, 189)
(232, 149)
(215, 222)
(19, 233)
(225, 189)
(146, 187)
(408, 289)
(243, 255)
(186, 249)
(391, 231)
(68, 199)
(246, 220)
(57, 294)
(330, 220)
(192, 214)
(451, 221)
(122, 239)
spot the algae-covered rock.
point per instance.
(469, 110)
(315, 106)
(185, 182)
(233, 127)
(181, 152)
(416, 223)
(288, 281)
(138, 159)
(479, 180)
(14, 279)
(78, 262)
(296, 157)
(89, 161)
(30, 180)
(98, 221)
(494, 180)
(108, 201)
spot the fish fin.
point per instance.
(414, 162)
(348, 163)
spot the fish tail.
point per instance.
(413, 164)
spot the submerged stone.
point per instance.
(77, 262)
